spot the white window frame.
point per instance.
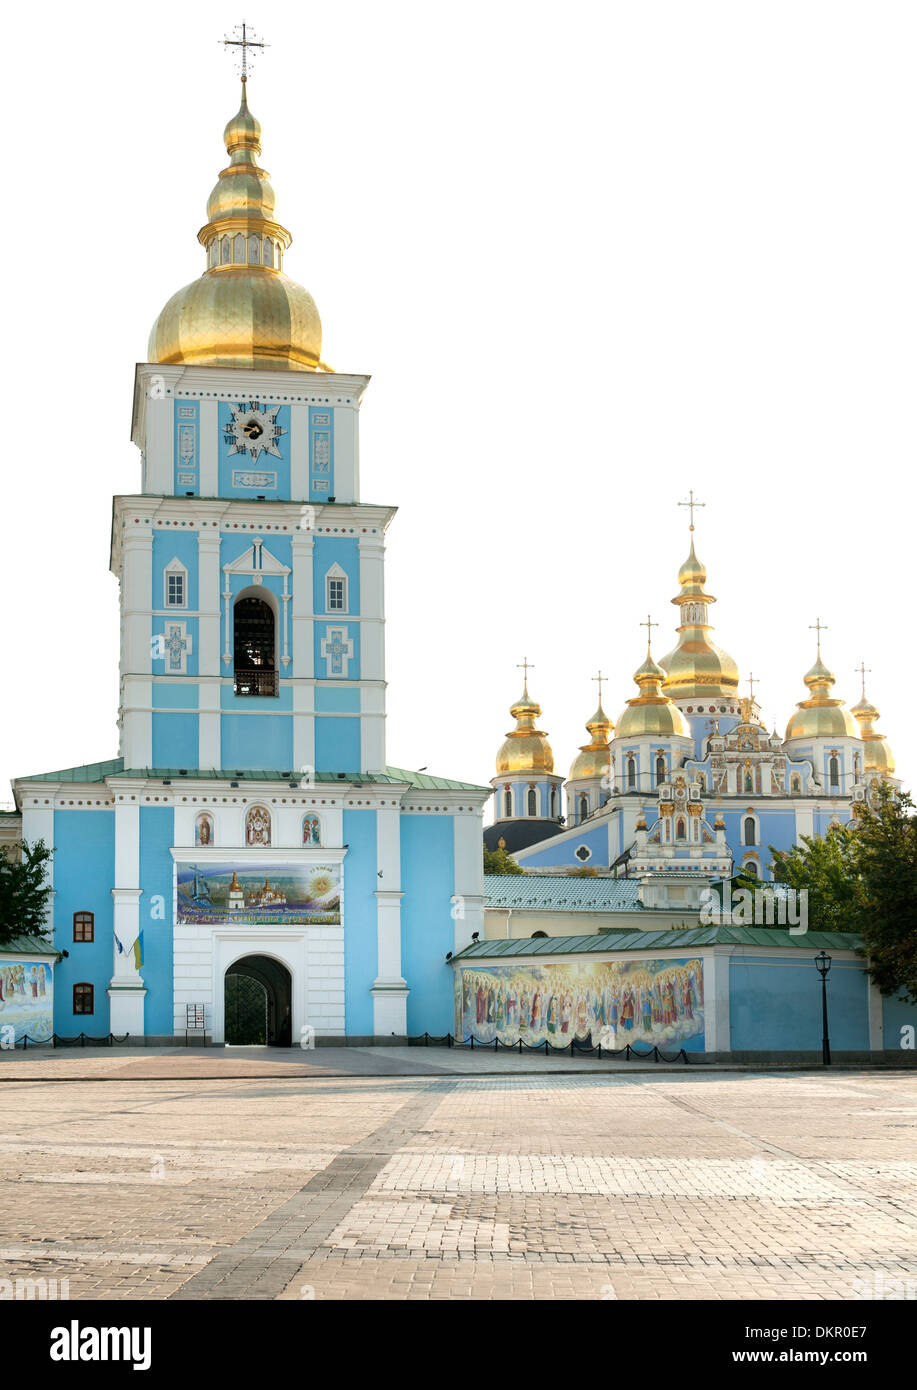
(340, 575)
(176, 568)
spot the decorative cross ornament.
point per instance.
(526, 666)
(752, 682)
(337, 649)
(245, 43)
(691, 505)
(649, 625)
(600, 678)
(818, 627)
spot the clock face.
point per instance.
(253, 430)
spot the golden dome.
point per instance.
(243, 311)
(878, 756)
(526, 748)
(651, 713)
(821, 716)
(696, 668)
(594, 758)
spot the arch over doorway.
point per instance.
(258, 1002)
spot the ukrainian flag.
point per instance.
(138, 951)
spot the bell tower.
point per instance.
(251, 572)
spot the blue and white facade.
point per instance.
(252, 698)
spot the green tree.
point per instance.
(826, 868)
(25, 890)
(497, 861)
(885, 912)
(862, 878)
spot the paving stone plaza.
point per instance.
(401, 1174)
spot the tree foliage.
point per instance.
(862, 878)
(25, 890)
(498, 861)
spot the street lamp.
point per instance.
(823, 965)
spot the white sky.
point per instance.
(592, 255)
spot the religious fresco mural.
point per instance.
(249, 895)
(641, 1002)
(26, 998)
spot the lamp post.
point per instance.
(823, 965)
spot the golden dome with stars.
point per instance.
(696, 668)
(593, 759)
(821, 716)
(878, 757)
(243, 311)
(526, 749)
(651, 713)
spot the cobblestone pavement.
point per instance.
(697, 1185)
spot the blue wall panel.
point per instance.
(337, 744)
(427, 926)
(84, 875)
(777, 1006)
(256, 741)
(175, 740)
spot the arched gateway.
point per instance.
(258, 997)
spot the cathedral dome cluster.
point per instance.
(690, 741)
(243, 311)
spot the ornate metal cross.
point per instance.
(245, 43)
(819, 627)
(691, 505)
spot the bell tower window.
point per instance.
(532, 802)
(834, 773)
(750, 830)
(631, 772)
(254, 647)
(660, 770)
(507, 802)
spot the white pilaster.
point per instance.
(468, 890)
(136, 645)
(208, 645)
(209, 446)
(126, 991)
(389, 989)
(716, 999)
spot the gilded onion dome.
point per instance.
(651, 712)
(696, 667)
(594, 757)
(243, 311)
(526, 748)
(821, 716)
(878, 756)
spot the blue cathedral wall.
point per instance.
(776, 1006)
(84, 873)
(427, 926)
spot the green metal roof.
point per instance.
(114, 767)
(562, 893)
(28, 946)
(625, 939)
